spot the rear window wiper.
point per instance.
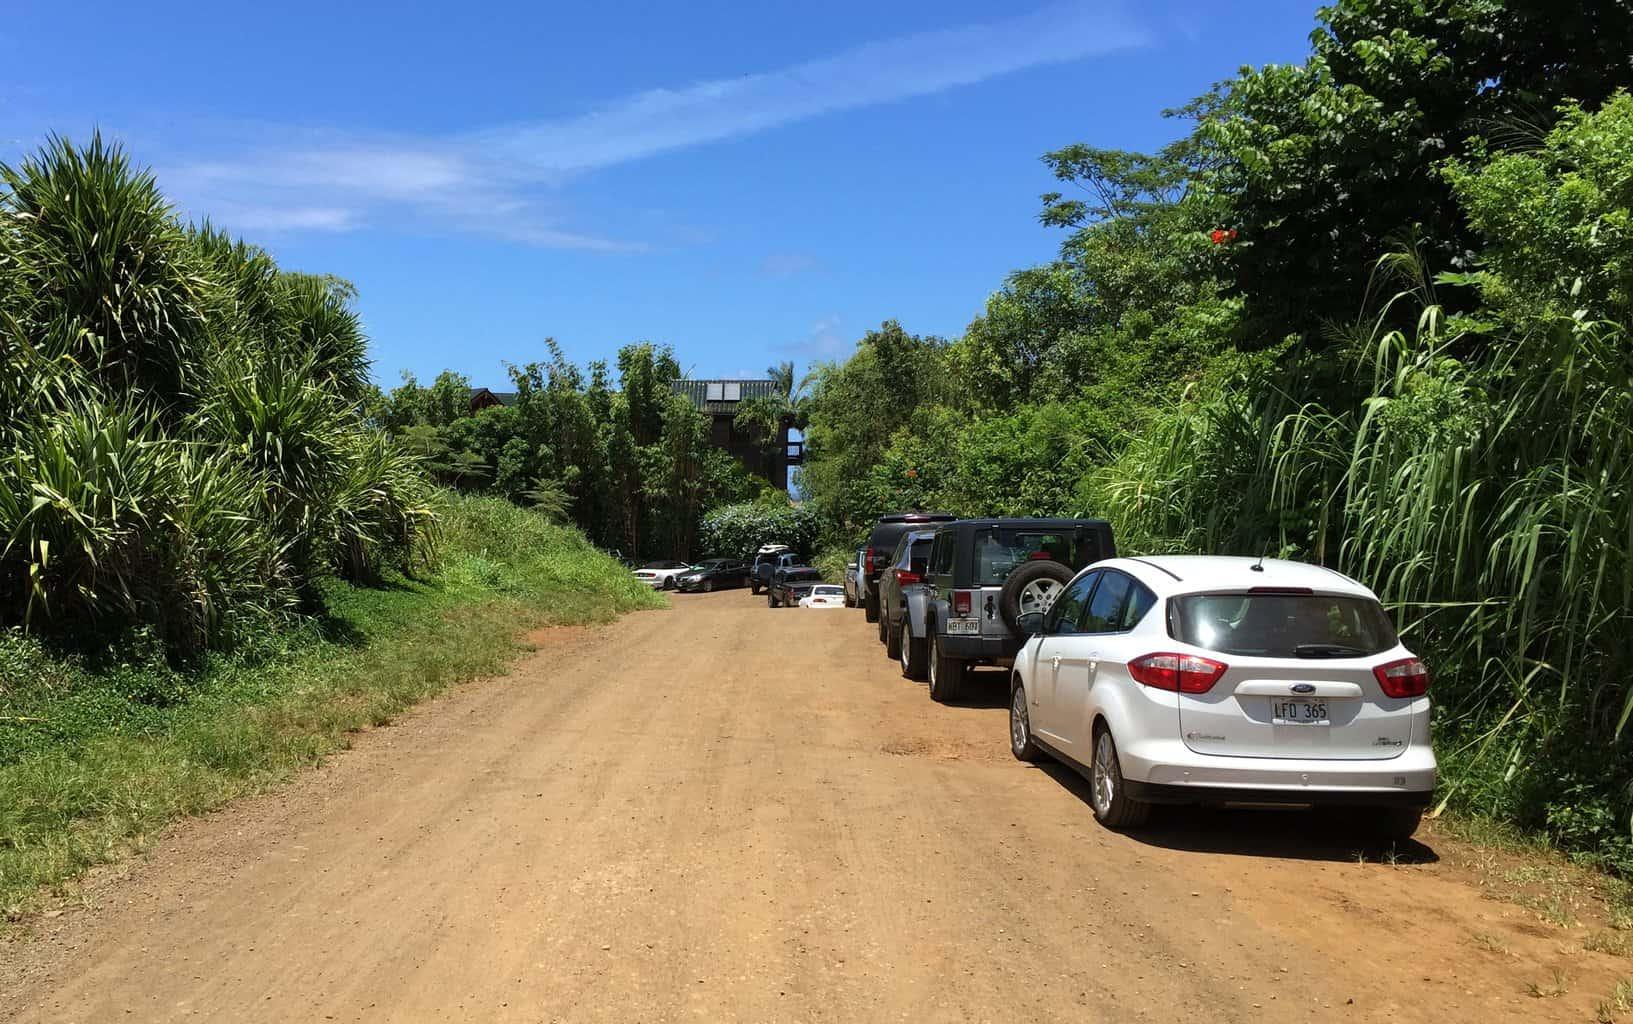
(1326, 651)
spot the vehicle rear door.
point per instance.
(1099, 621)
(1058, 644)
(1270, 702)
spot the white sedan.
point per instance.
(662, 575)
(824, 595)
(1226, 681)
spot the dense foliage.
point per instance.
(743, 528)
(182, 454)
(627, 460)
(1374, 310)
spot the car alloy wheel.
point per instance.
(1037, 596)
(708, 586)
(1019, 728)
(1105, 777)
(902, 647)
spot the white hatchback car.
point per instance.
(1226, 681)
(824, 595)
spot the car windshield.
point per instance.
(1282, 625)
(1000, 550)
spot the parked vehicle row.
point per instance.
(1163, 680)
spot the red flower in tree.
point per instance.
(912, 474)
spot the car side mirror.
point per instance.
(1030, 623)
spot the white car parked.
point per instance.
(824, 595)
(662, 575)
(1226, 681)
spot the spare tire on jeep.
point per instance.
(1031, 587)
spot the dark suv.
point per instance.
(881, 544)
(984, 574)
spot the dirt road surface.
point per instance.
(726, 813)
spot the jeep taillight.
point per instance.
(905, 577)
(1177, 673)
(869, 568)
(1408, 677)
(962, 602)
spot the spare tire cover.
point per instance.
(1009, 599)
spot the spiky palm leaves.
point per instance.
(180, 443)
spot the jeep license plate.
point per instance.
(963, 627)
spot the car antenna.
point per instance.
(1259, 565)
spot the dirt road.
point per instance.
(722, 812)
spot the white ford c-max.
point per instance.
(1205, 679)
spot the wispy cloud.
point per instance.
(824, 341)
(501, 180)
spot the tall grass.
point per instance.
(182, 453)
(1483, 484)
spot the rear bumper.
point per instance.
(980, 648)
(1166, 771)
(1161, 794)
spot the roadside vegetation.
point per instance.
(619, 455)
(214, 562)
(1373, 310)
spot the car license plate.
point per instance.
(964, 627)
(1298, 712)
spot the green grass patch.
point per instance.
(94, 760)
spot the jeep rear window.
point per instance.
(1282, 625)
(1000, 550)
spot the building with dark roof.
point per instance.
(482, 398)
(719, 400)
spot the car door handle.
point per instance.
(1055, 661)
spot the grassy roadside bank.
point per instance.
(92, 762)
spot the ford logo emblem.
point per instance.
(1303, 687)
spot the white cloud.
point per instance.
(823, 342)
(498, 181)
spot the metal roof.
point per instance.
(711, 395)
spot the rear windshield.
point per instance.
(918, 556)
(1000, 550)
(1282, 625)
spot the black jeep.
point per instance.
(881, 542)
(983, 574)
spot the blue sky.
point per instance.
(747, 182)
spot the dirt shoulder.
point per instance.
(722, 812)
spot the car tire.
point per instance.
(708, 586)
(884, 624)
(870, 607)
(1392, 824)
(912, 658)
(754, 589)
(1021, 743)
(1108, 794)
(1021, 588)
(893, 642)
(946, 676)
(770, 599)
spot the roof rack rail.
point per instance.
(1159, 568)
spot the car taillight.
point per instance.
(904, 577)
(1177, 673)
(961, 602)
(869, 568)
(1408, 677)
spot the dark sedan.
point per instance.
(714, 574)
